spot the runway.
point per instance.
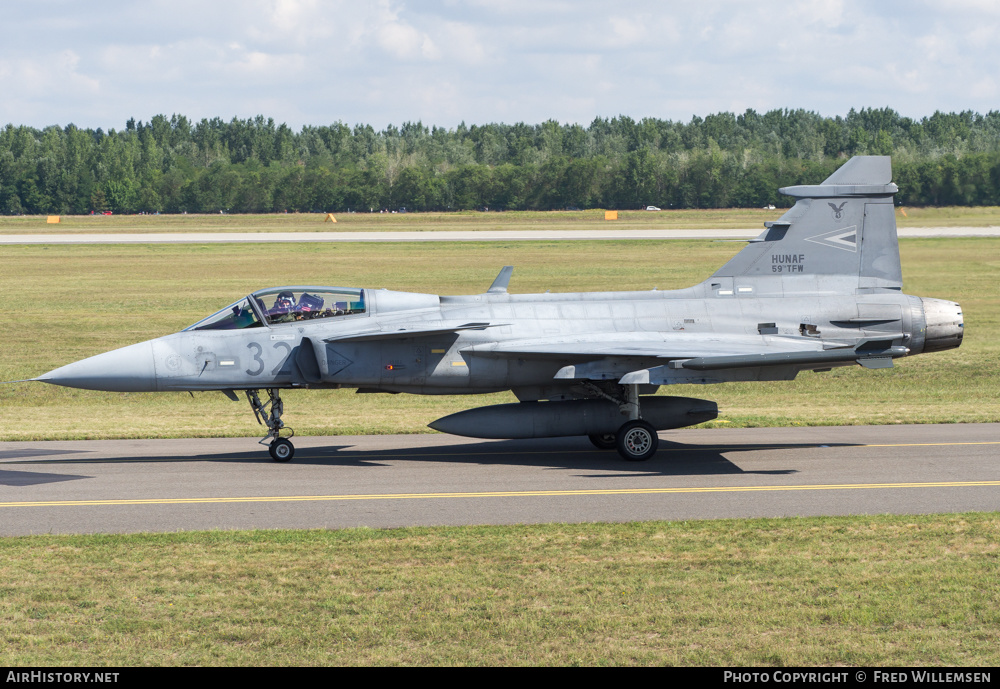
(440, 236)
(390, 481)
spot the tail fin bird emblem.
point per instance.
(838, 211)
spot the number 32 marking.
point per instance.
(257, 350)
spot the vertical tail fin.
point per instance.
(840, 236)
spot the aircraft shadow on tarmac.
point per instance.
(672, 459)
(33, 478)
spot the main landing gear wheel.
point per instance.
(281, 450)
(604, 441)
(637, 441)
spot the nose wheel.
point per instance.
(269, 414)
(281, 450)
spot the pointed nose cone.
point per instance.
(129, 369)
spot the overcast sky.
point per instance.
(442, 62)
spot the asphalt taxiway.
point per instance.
(387, 481)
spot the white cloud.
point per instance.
(292, 16)
(404, 42)
(444, 61)
(984, 36)
(984, 88)
(988, 7)
(464, 43)
(51, 75)
(827, 13)
(255, 64)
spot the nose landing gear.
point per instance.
(269, 414)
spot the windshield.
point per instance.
(233, 317)
(290, 304)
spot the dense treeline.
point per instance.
(173, 165)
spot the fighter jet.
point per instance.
(820, 287)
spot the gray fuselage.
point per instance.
(466, 361)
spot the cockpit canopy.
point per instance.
(285, 305)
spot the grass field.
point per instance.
(868, 591)
(724, 218)
(69, 302)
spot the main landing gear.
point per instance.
(269, 414)
(636, 440)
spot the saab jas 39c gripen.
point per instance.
(820, 287)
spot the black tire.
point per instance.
(281, 450)
(604, 441)
(637, 441)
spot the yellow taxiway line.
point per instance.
(504, 494)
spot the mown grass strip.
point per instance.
(873, 590)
